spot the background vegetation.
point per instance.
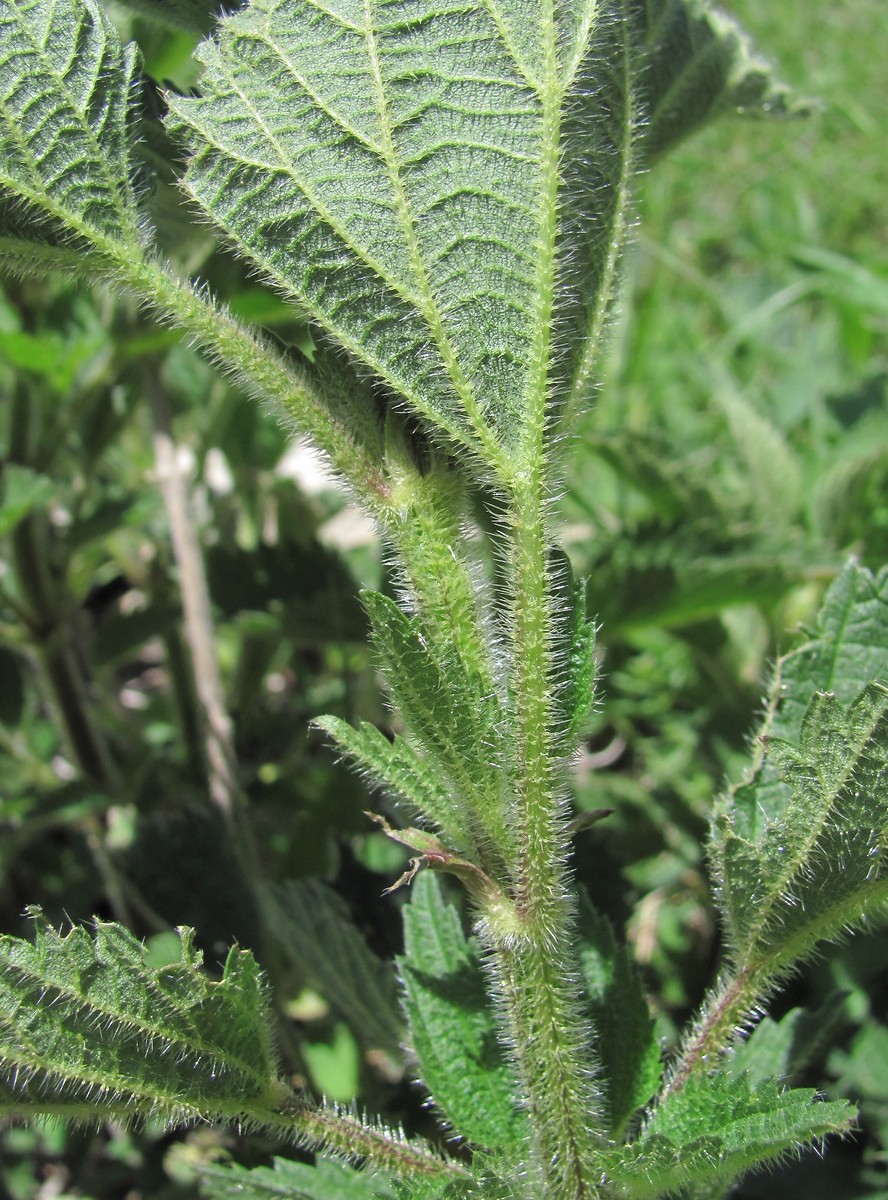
(737, 455)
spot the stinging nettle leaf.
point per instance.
(85, 1022)
(573, 653)
(288, 1180)
(457, 721)
(396, 768)
(791, 881)
(399, 170)
(453, 1032)
(846, 649)
(700, 63)
(67, 124)
(717, 1127)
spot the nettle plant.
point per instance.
(444, 190)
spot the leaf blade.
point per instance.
(67, 154)
(452, 1028)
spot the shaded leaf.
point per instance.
(780, 1049)
(12, 687)
(700, 63)
(624, 1030)
(451, 1024)
(314, 931)
(22, 491)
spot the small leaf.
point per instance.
(313, 929)
(288, 1180)
(455, 719)
(715, 1128)
(452, 1027)
(396, 768)
(573, 653)
(793, 879)
(67, 135)
(624, 1030)
(700, 63)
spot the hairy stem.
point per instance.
(535, 960)
(256, 365)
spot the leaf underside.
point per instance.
(68, 150)
(799, 850)
(395, 169)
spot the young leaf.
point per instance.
(457, 722)
(67, 154)
(313, 928)
(452, 1028)
(88, 1028)
(717, 1127)
(396, 768)
(699, 63)
(624, 1030)
(288, 1180)
(791, 881)
(573, 653)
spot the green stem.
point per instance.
(261, 369)
(535, 956)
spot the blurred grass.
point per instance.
(725, 265)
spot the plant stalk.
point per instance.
(535, 957)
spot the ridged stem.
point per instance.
(535, 956)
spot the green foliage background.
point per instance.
(737, 454)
